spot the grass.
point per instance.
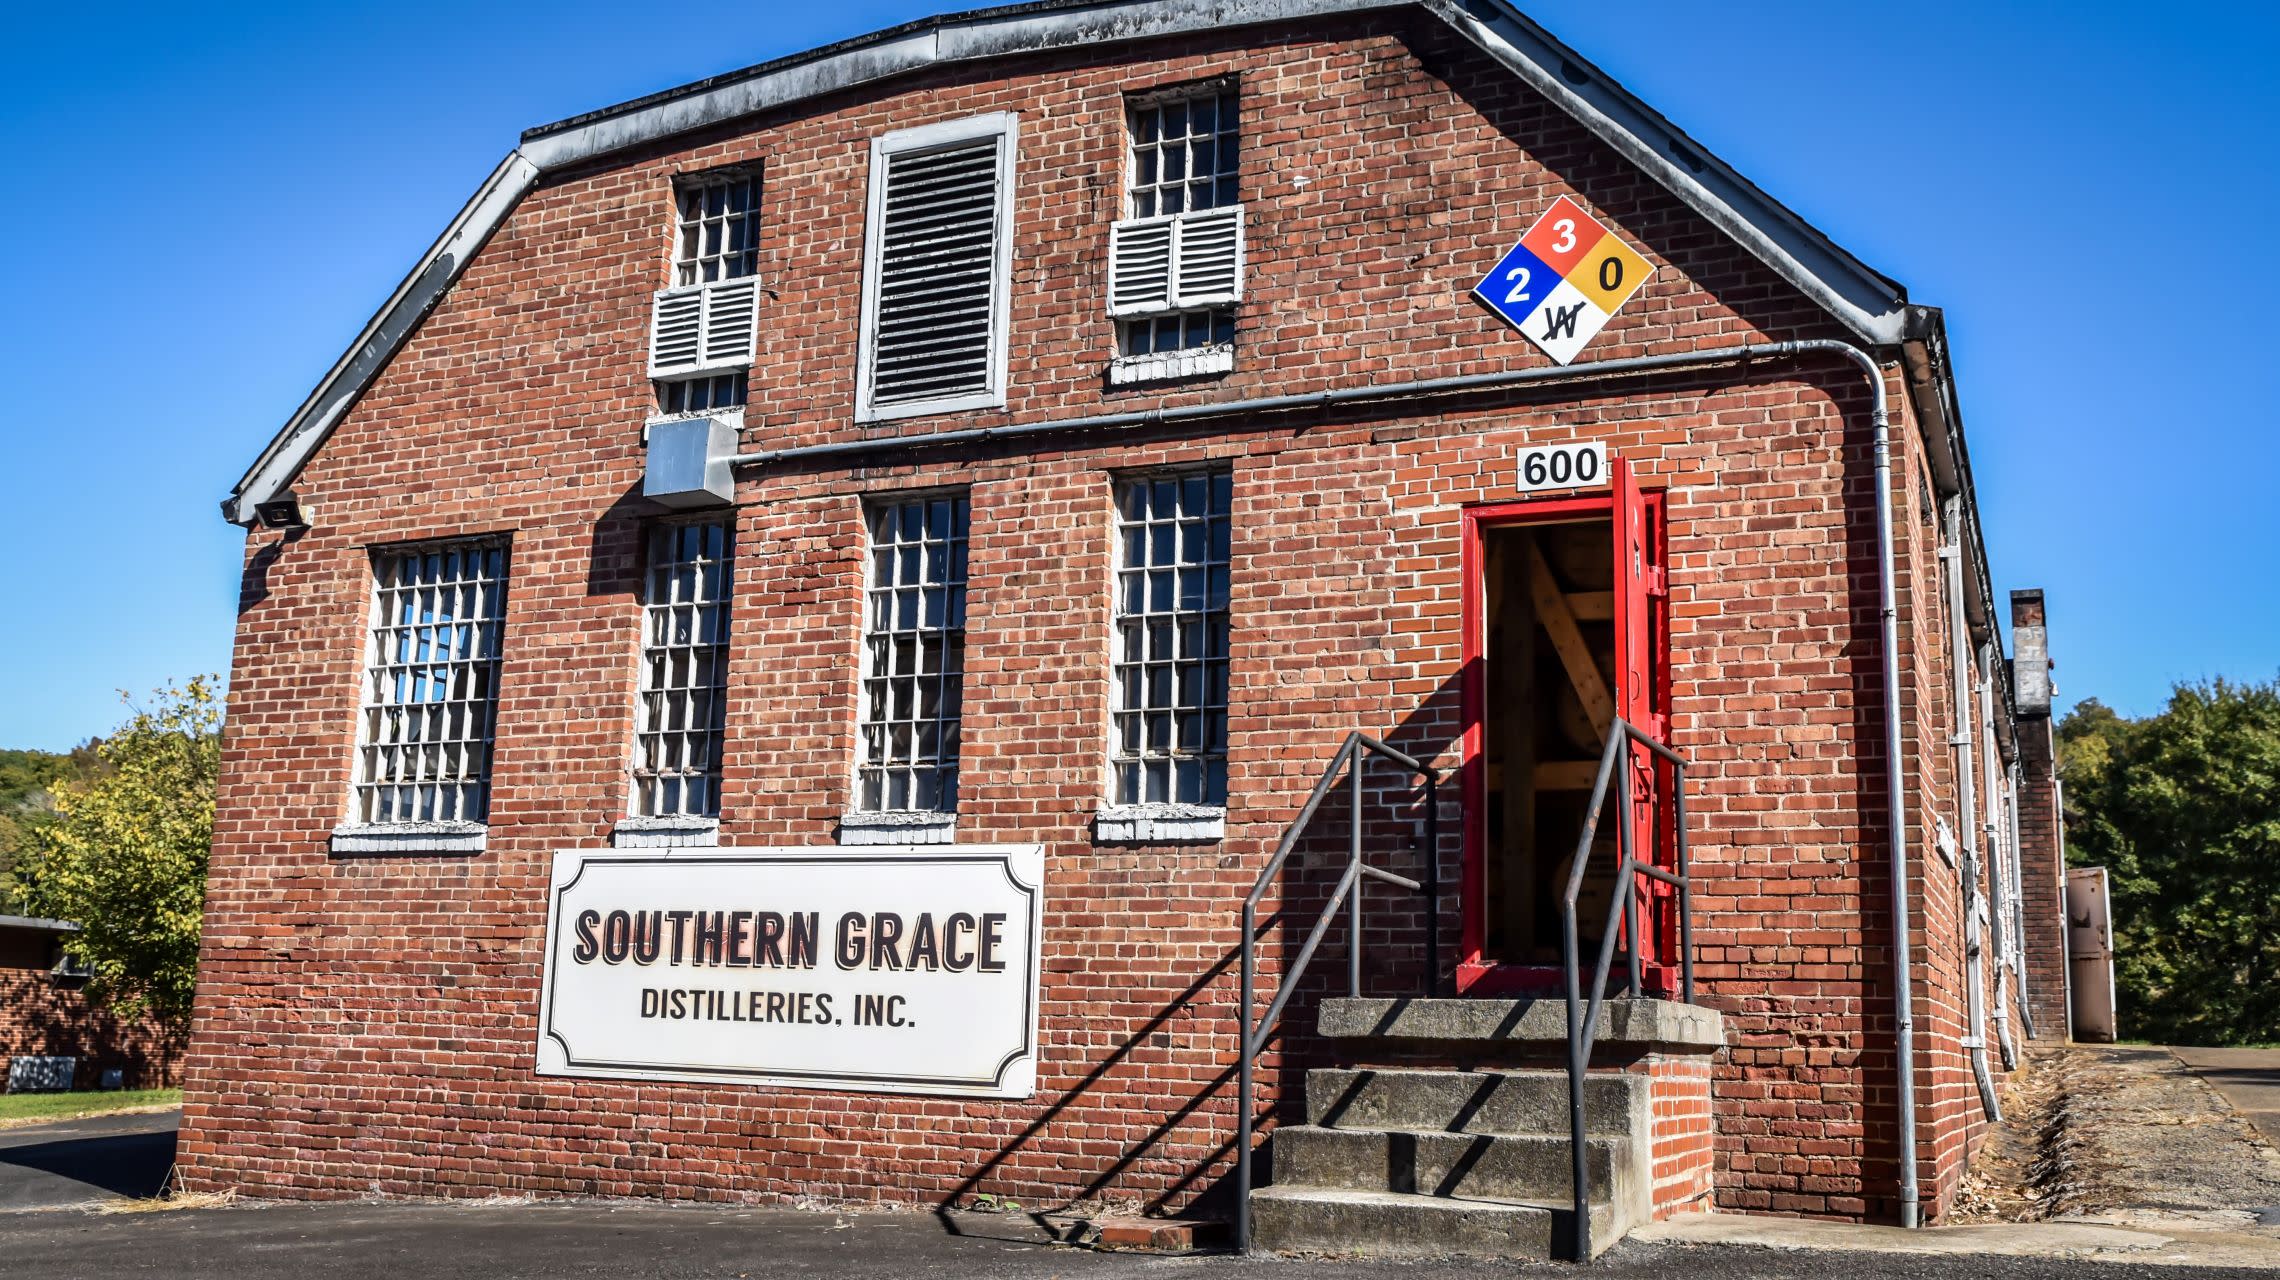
(32, 1108)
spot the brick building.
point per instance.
(50, 1035)
(1000, 460)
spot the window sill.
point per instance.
(665, 833)
(1160, 366)
(410, 837)
(1159, 824)
(734, 418)
(898, 828)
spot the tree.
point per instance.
(27, 803)
(2183, 811)
(125, 854)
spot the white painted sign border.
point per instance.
(1015, 1074)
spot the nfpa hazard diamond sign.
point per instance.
(1564, 281)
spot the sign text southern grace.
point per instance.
(896, 970)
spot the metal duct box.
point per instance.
(688, 463)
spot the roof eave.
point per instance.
(1870, 305)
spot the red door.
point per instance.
(1640, 693)
(1634, 672)
(1641, 595)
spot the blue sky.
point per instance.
(205, 204)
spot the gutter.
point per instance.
(1968, 822)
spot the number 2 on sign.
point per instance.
(1563, 466)
(1519, 293)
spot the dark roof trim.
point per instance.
(1871, 306)
(35, 924)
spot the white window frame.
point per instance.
(1170, 820)
(461, 834)
(1205, 359)
(1005, 126)
(642, 787)
(859, 824)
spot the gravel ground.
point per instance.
(2123, 1134)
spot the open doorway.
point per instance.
(1549, 660)
(1564, 633)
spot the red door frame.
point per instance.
(1475, 974)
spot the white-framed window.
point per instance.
(431, 687)
(702, 325)
(686, 585)
(938, 248)
(717, 232)
(1169, 742)
(686, 396)
(1176, 260)
(1184, 150)
(914, 654)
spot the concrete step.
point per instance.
(1475, 1166)
(1384, 1224)
(1478, 1025)
(1469, 1101)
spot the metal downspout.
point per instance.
(1967, 814)
(1895, 794)
(1888, 609)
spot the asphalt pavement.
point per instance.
(71, 1162)
(2249, 1079)
(56, 1179)
(622, 1242)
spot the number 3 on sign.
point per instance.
(1563, 466)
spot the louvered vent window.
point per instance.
(937, 259)
(431, 686)
(703, 324)
(914, 656)
(1171, 638)
(1176, 263)
(684, 671)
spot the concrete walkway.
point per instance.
(2249, 1079)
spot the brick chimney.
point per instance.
(2042, 855)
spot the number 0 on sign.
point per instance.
(1563, 466)
(1564, 281)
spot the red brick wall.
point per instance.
(367, 1024)
(1684, 1151)
(2042, 883)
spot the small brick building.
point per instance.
(1040, 437)
(45, 1014)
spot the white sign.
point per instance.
(1563, 466)
(897, 969)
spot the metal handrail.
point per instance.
(1253, 1037)
(1620, 912)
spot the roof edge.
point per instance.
(974, 36)
(1873, 306)
(382, 337)
(38, 924)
